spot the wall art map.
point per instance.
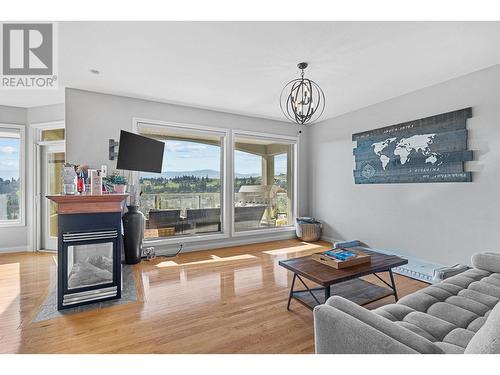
(432, 149)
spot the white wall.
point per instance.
(93, 118)
(441, 222)
(46, 113)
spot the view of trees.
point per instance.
(240, 181)
(184, 184)
(9, 199)
(194, 184)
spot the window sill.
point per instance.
(261, 231)
(15, 224)
(179, 239)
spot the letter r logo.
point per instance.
(27, 49)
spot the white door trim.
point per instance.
(50, 147)
(36, 130)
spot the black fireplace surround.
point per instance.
(89, 258)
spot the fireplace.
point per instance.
(90, 267)
(89, 249)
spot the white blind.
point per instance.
(10, 133)
(173, 132)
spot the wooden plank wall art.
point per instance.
(432, 149)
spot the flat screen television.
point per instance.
(139, 153)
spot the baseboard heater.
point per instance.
(415, 268)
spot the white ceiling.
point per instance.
(240, 67)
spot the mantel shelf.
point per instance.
(77, 204)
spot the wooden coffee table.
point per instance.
(343, 282)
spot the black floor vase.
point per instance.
(133, 229)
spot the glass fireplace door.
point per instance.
(89, 268)
(90, 265)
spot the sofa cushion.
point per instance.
(495, 275)
(474, 295)
(459, 337)
(439, 293)
(461, 280)
(436, 327)
(453, 289)
(419, 331)
(394, 311)
(453, 314)
(477, 308)
(492, 279)
(419, 301)
(476, 325)
(485, 288)
(477, 273)
(487, 339)
(487, 261)
(449, 348)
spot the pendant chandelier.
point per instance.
(302, 101)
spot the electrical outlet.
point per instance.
(104, 170)
(149, 253)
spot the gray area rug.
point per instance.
(48, 310)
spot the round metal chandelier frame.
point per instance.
(302, 100)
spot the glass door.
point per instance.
(52, 159)
(90, 264)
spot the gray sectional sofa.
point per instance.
(459, 315)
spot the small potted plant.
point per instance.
(119, 183)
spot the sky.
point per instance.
(9, 158)
(246, 163)
(192, 156)
(280, 164)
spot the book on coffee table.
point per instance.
(342, 258)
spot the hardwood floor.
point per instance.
(230, 300)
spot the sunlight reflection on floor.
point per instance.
(10, 286)
(293, 249)
(215, 258)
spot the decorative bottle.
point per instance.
(69, 179)
(80, 183)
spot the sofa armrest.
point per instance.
(487, 339)
(336, 332)
(487, 261)
(342, 326)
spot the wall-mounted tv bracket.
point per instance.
(113, 152)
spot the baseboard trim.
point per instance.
(229, 242)
(14, 249)
(329, 239)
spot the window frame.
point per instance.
(138, 123)
(294, 142)
(21, 222)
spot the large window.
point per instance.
(11, 175)
(186, 198)
(263, 183)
